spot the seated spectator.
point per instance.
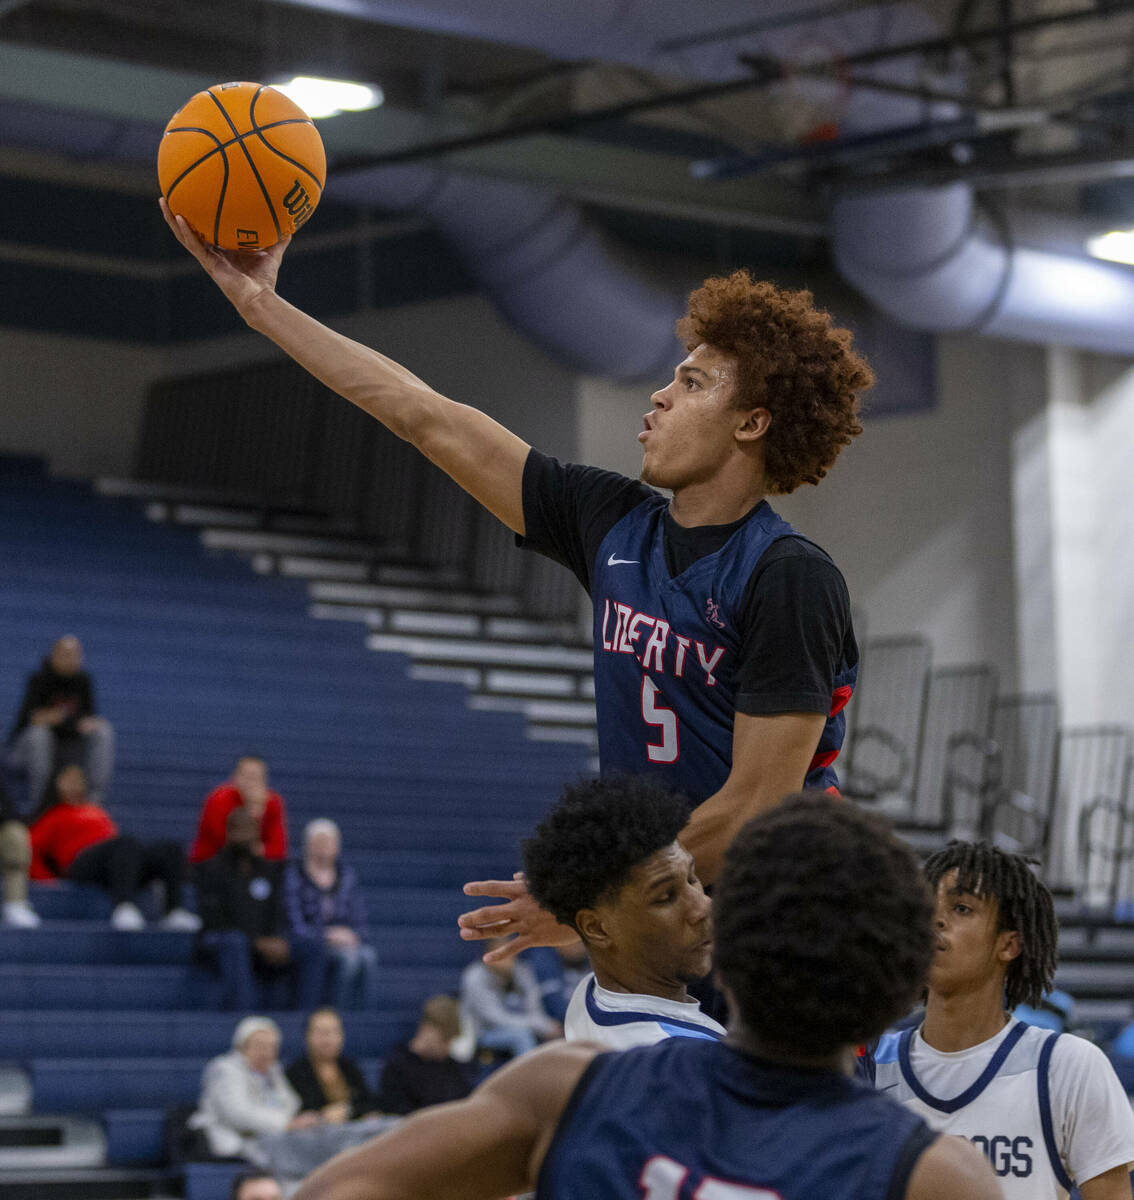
(326, 1080)
(75, 838)
(57, 718)
(248, 788)
(15, 862)
(244, 933)
(503, 1002)
(255, 1185)
(558, 970)
(423, 1070)
(245, 1093)
(324, 900)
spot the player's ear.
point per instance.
(755, 424)
(591, 927)
(1008, 945)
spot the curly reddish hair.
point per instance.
(793, 362)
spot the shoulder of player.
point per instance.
(582, 478)
(1073, 1057)
(792, 563)
(951, 1167)
(795, 548)
(540, 1084)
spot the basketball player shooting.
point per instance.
(824, 934)
(724, 651)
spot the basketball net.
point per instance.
(814, 94)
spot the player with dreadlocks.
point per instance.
(1046, 1108)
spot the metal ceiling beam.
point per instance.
(765, 72)
(1026, 171)
(590, 172)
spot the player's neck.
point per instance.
(720, 500)
(841, 1060)
(634, 981)
(964, 1019)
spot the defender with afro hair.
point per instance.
(824, 926)
(585, 849)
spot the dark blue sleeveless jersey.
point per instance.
(665, 649)
(696, 1120)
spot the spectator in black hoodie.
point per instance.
(423, 1071)
(326, 1080)
(244, 931)
(57, 719)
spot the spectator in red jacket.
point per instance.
(75, 838)
(248, 788)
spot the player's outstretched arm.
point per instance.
(952, 1168)
(482, 1148)
(482, 456)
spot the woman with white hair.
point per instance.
(245, 1093)
(324, 901)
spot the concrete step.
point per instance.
(390, 595)
(45, 1143)
(484, 653)
(93, 1184)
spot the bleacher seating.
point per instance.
(197, 659)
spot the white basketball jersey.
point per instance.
(999, 1095)
(622, 1019)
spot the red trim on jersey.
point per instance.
(839, 698)
(823, 759)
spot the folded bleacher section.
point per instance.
(196, 659)
(944, 754)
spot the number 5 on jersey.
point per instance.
(669, 748)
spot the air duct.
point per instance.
(934, 260)
(548, 270)
(545, 267)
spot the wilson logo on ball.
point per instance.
(243, 164)
(298, 203)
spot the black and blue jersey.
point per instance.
(690, 1119)
(694, 625)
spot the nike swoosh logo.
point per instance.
(617, 562)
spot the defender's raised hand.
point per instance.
(520, 919)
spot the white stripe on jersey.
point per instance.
(621, 1019)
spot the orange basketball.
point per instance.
(243, 164)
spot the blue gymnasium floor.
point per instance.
(196, 660)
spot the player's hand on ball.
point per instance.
(521, 919)
(242, 275)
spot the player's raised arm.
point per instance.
(487, 1146)
(477, 452)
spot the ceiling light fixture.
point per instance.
(326, 97)
(1117, 246)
